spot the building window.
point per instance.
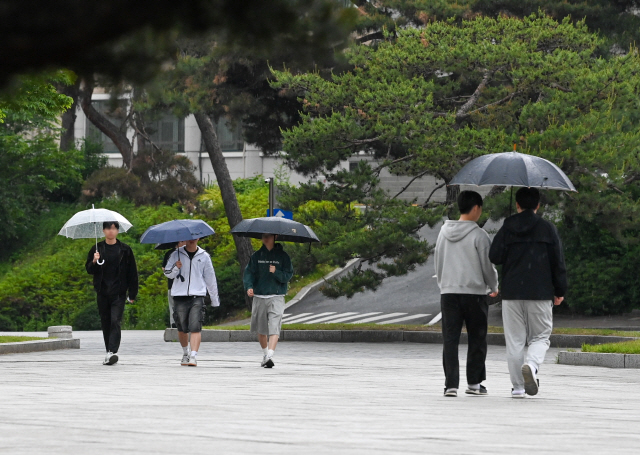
(230, 138)
(167, 132)
(116, 113)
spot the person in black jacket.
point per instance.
(534, 278)
(115, 274)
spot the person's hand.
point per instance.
(250, 292)
(179, 264)
(96, 257)
(272, 268)
(131, 301)
(494, 294)
(557, 300)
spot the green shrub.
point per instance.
(87, 318)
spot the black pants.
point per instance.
(472, 310)
(111, 309)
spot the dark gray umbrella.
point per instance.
(287, 230)
(513, 169)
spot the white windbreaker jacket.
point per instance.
(199, 276)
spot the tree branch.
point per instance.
(433, 192)
(410, 182)
(464, 109)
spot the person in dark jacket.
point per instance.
(534, 279)
(115, 274)
(266, 280)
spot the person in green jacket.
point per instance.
(266, 279)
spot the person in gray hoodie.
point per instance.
(465, 277)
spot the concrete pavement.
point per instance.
(320, 398)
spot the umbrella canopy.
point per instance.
(287, 230)
(88, 224)
(166, 246)
(513, 169)
(176, 231)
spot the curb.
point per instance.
(316, 284)
(599, 359)
(385, 336)
(21, 347)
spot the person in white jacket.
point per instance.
(191, 270)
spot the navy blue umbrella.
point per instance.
(287, 230)
(176, 231)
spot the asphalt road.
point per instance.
(413, 298)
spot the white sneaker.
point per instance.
(193, 362)
(110, 359)
(264, 360)
(185, 360)
(517, 393)
(531, 382)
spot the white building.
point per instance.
(243, 160)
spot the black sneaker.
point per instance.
(269, 363)
(531, 383)
(450, 392)
(111, 359)
(481, 391)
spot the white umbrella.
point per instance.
(84, 225)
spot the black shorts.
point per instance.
(188, 313)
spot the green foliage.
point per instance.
(157, 177)
(625, 347)
(426, 101)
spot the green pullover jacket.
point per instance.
(258, 277)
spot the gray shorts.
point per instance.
(266, 315)
(188, 314)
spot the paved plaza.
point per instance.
(320, 398)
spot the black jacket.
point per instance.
(128, 271)
(530, 252)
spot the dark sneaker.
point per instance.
(531, 383)
(450, 392)
(481, 391)
(269, 363)
(185, 360)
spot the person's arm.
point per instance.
(132, 277)
(558, 267)
(90, 265)
(209, 276)
(489, 272)
(436, 261)
(171, 270)
(249, 276)
(498, 250)
(286, 273)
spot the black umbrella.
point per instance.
(513, 169)
(286, 230)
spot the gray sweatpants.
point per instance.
(526, 322)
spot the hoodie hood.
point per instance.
(454, 231)
(522, 222)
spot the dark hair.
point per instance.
(108, 224)
(467, 200)
(528, 198)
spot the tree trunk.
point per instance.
(453, 191)
(67, 138)
(231, 206)
(101, 122)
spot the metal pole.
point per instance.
(271, 197)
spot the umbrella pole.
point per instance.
(95, 230)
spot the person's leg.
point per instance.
(115, 333)
(180, 314)
(275, 310)
(476, 313)
(105, 319)
(259, 324)
(451, 327)
(196, 319)
(183, 338)
(539, 327)
(172, 321)
(515, 335)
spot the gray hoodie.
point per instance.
(462, 259)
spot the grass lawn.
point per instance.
(15, 339)
(423, 328)
(625, 347)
